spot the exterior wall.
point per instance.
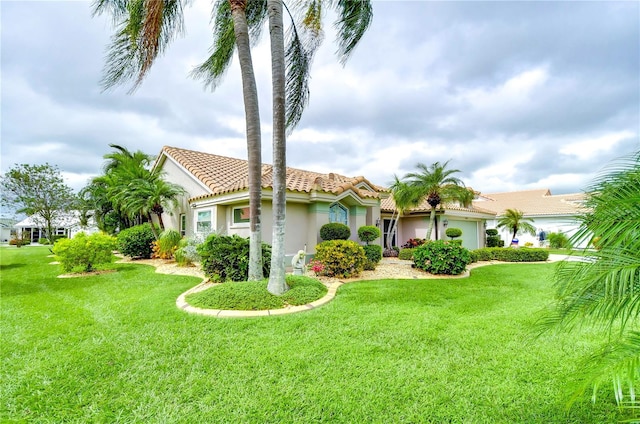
(5, 235)
(470, 232)
(317, 216)
(412, 227)
(357, 218)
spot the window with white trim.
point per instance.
(183, 224)
(203, 222)
(241, 215)
(338, 213)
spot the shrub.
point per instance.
(512, 255)
(43, 240)
(226, 258)
(491, 232)
(334, 231)
(341, 258)
(136, 242)
(316, 266)
(559, 241)
(373, 254)
(82, 253)
(413, 242)
(166, 246)
(368, 233)
(441, 257)
(303, 290)
(406, 254)
(187, 252)
(494, 241)
(453, 232)
(473, 256)
(19, 242)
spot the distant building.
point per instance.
(68, 224)
(7, 229)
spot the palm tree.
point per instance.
(151, 195)
(290, 75)
(605, 290)
(146, 28)
(436, 184)
(404, 197)
(514, 221)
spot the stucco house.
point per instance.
(7, 228)
(217, 199)
(551, 213)
(66, 224)
(414, 223)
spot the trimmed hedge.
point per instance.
(406, 254)
(368, 233)
(441, 257)
(341, 258)
(523, 254)
(226, 258)
(136, 242)
(373, 252)
(453, 232)
(335, 231)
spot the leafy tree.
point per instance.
(605, 290)
(438, 186)
(514, 221)
(38, 191)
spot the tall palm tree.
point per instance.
(290, 75)
(145, 29)
(514, 221)
(404, 197)
(438, 186)
(605, 290)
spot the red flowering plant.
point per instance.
(316, 266)
(413, 242)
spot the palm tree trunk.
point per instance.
(277, 283)
(160, 221)
(432, 220)
(254, 148)
(153, 227)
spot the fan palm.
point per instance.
(437, 185)
(514, 221)
(606, 289)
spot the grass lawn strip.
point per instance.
(113, 348)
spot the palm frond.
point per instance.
(355, 16)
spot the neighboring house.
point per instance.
(550, 213)
(7, 229)
(67, 224)
(217, 199)
(414, 223)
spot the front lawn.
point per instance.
(114, 348)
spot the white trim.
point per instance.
(232, 223)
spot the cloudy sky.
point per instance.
(518, 95)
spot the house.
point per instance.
(66, 224)
(217, 199)
(414, 223)
(550, 213)
(7, 229)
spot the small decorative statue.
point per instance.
(298, 263)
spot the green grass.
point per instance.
(572, 252)
(114, 348)
(253, 295)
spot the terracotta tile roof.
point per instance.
(533, 202)
(388, 205)
(226, 175)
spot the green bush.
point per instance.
(473, 256)
(303, 290)
(406, 254)
(441, 257)
(187, 252)
(491, 232)
(524, 254)
(226, 258)
(335, 231)
(368, 233)
(558, 241)
(374, 256)
(453, 232)
(136, 242)
(82, 253)
(341, 258)
(166, 246)
(43, 240)
(19, 242)
(494, 241)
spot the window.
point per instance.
(241, 215)
(183, 224)
(61, 231)
(203, 224)
(338, 213)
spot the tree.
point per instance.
(145, 30)
(436, 184)
(38, 191)
(514, 221)
(290, 73)
(605, 290)
(404, 197)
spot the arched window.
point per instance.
(338, 213)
